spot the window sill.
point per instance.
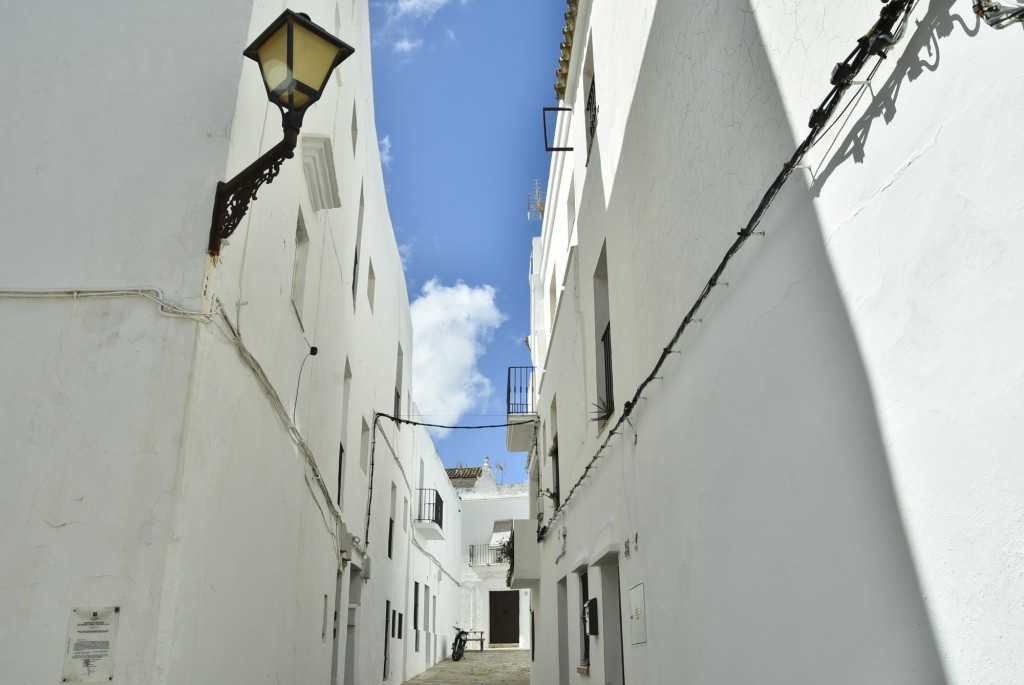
(583, 669)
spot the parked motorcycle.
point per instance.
(459, 644)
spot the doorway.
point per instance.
(563, 632)
(355, 589)
(504, 623)
(611, 621)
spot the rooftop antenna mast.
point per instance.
(535, 202)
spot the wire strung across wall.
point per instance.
(397, 419)
(880, 38)
(377, 416)
(220, 320)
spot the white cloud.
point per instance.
(451, 326)
(405, 252)
(385, 151)
(416, 8)
(450, 34)
(404, 46)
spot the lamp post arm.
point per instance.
(232, 199)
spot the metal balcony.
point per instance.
(430, 514)
(486, 555)
(519, 397)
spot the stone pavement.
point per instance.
(490, 667)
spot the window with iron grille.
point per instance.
(604, 407)
(591, 115)
(584, 634)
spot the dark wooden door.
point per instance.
(505, 617)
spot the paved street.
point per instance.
(492, 666)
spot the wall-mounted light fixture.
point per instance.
(296, 58)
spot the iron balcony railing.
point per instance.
(431, 507)
(519, 391)
(486, 555)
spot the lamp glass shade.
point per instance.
(273, 61)
(314, 58)
(296, 58)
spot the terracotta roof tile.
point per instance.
(464, 472)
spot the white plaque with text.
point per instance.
(92, 633)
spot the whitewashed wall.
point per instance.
(144, 465)
(110, 167)
(822, 485)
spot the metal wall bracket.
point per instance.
(547, 146)
(233, 197)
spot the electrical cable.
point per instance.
(887, 30)
(312, 353)
(225, 326)
(438, 425)
(220, 320)
(154, 294)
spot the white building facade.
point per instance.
(791, 458)
(177, 457)
(497, 614)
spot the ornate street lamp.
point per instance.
(296, 58)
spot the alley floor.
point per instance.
(490, 667)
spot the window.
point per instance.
(552, 300)
(355, 127)
(570, 211)
(346, 393)
(299, 266)
(399, 383)
(387, 642)
(501, 532)
(341, 471)
(359, 243)
(391, 536)
(426, 607)
(318, 166)
(415, 606)
(323, 630)
(605, 404)
(556, 485)
(590, 88)
(371, 285)
(400, 617)
(391, 525)
(591, 115)
(584, 637)
(364, 446)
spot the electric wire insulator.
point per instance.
(998, 16)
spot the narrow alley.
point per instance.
(493, 666)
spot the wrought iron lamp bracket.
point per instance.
(233, 197)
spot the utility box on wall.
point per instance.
(637, 614)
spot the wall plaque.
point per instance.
(92, 634)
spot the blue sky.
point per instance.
(458, 91)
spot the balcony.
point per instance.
(486, 555)
(519, 396)
(525, 572)
(430, 514)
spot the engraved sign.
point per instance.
(92, 633)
